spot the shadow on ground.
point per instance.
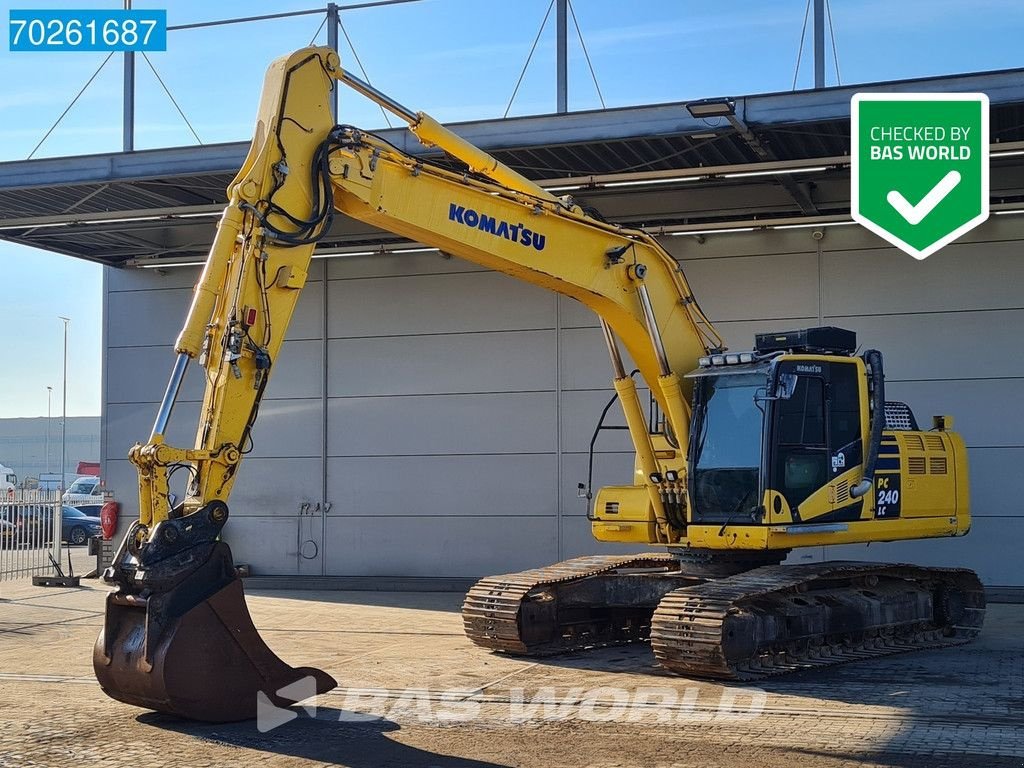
(331, 737)
(450, 602)
(901, 760)
(902, 680)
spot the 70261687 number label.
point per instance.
(87, 30)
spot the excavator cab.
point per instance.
(774, 429)
(795, 440)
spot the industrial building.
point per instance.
(430, 420)
(32, 446)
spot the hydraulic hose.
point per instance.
(874, 359)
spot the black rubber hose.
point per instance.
(874, 359)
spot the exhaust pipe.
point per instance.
(874, 359)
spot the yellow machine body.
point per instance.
(921, 491)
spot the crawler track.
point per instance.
(726, 618)
(779, 619)
(541, 612)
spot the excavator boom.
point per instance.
(177, 636)
(178, 614)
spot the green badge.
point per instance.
(919, 167)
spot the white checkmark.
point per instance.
(915, 213)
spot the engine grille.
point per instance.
(898, 416)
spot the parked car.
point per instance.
(76, 526)
(33, 524)
(85, 490)
(7, 532)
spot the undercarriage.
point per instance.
(734, 616)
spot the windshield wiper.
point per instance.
(702, 435)
(735, 512)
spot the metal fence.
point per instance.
(30, 534)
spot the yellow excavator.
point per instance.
(740, 456)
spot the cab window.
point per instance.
(844, 406)
(801, 444)
(802, 417)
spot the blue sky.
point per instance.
(457, 59)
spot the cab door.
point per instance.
(846, 442)
(816, 440)
(800, 456)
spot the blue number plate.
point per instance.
(135, 30)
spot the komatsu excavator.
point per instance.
(740, 456)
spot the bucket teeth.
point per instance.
(182, 642)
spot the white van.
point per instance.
(85, 490)
(8, 480)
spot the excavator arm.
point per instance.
(248, 289)
(300, 169)
(176, 586)
(624, 276)
(177, 635)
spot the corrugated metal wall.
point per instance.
(459, 402)
(24, 443)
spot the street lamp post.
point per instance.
(49, 401)
(64, 419)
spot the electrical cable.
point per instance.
(69, 106)
(318, 29)
(800, 49)
(529, 56)
(586, 54)
(171, 97)
(832, 34)
(362, 69)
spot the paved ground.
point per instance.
(24, 559)
(414, 692)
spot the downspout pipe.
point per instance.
(873, 358)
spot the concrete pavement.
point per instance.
(414, 692)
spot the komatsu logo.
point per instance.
(517, 233)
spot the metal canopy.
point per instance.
(122, 207)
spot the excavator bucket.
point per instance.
(177, 635)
